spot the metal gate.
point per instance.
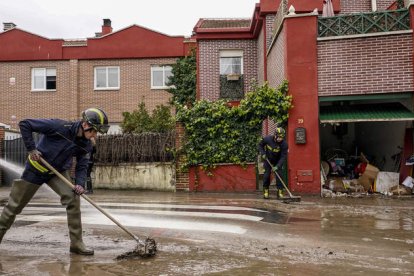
(14, 152)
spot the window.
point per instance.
(231, 62)
(43, 79)
(160, 76)
(106, 78)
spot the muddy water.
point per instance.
(370, 236)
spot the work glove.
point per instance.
(78, 189)
(35, 155)
(275, 168)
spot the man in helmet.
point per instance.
(59, 143)
(273, 148)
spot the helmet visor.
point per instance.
(103, 129)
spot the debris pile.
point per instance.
(355, 177)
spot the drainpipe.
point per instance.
(374, 5)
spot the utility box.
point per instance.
(304, 175)
(300, 135)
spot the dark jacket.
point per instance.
(58, 144)
(275, 152)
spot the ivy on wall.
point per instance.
(217, 133)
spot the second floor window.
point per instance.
(231, 62)
(43, 79)
(106, 78)
(160, 76)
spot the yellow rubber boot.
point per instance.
(280, 193)
(266, 193)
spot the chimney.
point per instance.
(8, 26)
(106, 27)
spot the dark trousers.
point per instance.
(267, 174)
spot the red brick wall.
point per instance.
(270, 19)
(18, 99)
(2, 134)
(276, 69)
(135, 86)
(209, 65)
(365, 65)
(181, 175)
(276, 61)
(261, 49)
(355, 6)
(382, 5)
(260, 58)
(75, 89)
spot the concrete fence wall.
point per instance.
(146, 176)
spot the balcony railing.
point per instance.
(364, 23)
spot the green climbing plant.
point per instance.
(183, 80)
(140, 120)
(217, 133)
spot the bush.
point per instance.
(140, 121)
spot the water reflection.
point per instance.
(385, 219)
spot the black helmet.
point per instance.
(280, 132)
(97, 119)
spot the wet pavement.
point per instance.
(216, 234)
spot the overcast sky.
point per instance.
(83, 18)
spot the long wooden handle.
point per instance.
(280, 178)
(64, 179)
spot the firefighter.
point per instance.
(59, 143)
(273, 148)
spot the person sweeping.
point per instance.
(273, 148)
(59, 142)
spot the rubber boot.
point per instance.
(280, 193)
(266, 193)
(20, 194)
(72, 203)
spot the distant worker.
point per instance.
(273, 148)
(59, 143)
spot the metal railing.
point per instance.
(364, 23)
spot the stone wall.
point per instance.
(145, 176)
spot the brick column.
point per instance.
(2, 135)
(74, 104)
(181, 175)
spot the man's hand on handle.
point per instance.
(78, 189)
(35, 155)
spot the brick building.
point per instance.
(42, 78)
(350, 75)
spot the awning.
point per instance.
(377, 112)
